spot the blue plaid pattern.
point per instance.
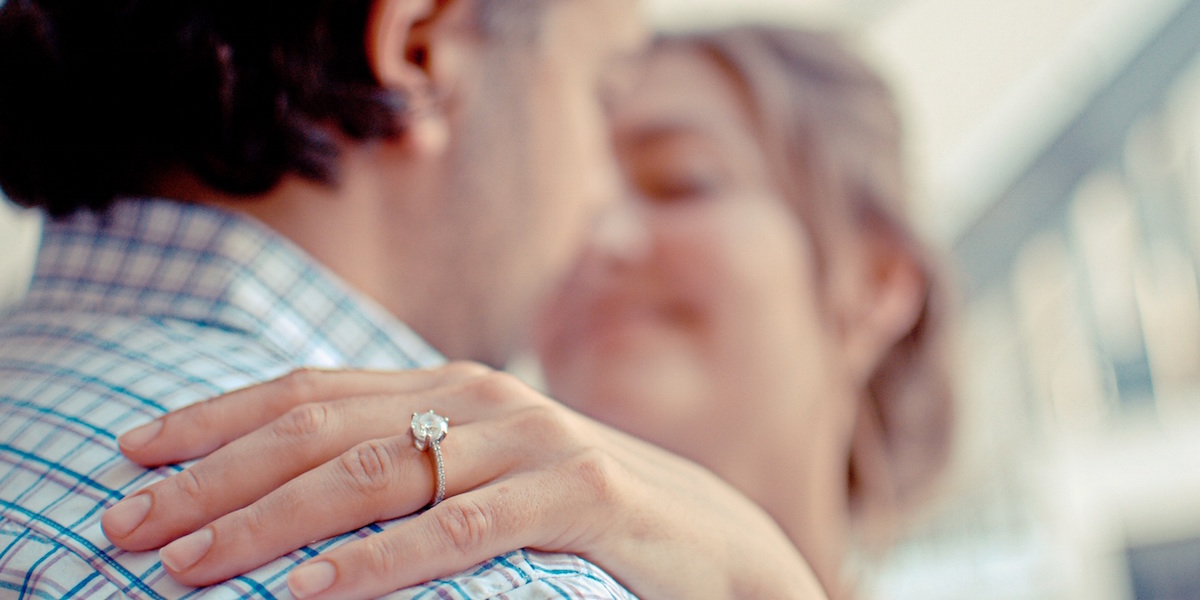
(145, 309)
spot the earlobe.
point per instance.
(887, 301)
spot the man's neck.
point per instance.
(347, 228)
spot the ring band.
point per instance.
(428, 430)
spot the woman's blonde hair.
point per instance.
(831, 132)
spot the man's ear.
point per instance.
(880, 299)
(404, 39)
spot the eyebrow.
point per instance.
(682, 130)
(675, 128)
(622, 73)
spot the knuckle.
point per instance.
(498, 389)
(598, 474)
(550, 426)
(190, 485)
(380, 556)
(464, 524)
(254, 522)
(299, 386)
(465, 369)
(302, 422)
(371, 466)
(203, 416)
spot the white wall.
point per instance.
(18, 242)
(982, 82)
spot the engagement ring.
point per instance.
(428, 430)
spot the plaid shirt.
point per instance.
(144, 310)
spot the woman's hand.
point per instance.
(316, 454)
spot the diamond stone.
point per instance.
(428, 427)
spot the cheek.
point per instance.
(752, 274)
(744, 261)
(575, 168)
(563, 172)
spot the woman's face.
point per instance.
(707, 336)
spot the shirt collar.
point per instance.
(171, 260)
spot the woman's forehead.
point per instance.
(681, 92)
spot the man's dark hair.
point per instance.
(102, 97)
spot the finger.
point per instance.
(374, 481)
(243, 471)
(203, 427)
(250, 467)
(462, 531)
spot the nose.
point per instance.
(620, 233)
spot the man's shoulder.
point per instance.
(69, 384)
(139, 362)
(34, 565)
(523, 575)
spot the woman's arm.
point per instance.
(317, 453)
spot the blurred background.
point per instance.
(1056, 148)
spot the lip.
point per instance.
(615, 321)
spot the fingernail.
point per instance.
(311, 578)
(126, 515)
(140, 436)
(186, 551)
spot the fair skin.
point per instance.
(455, 207)
(716, 326)
(522, 471)
(715, 339)
(690, 305)
(482, 241)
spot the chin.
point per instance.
(639, 391)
